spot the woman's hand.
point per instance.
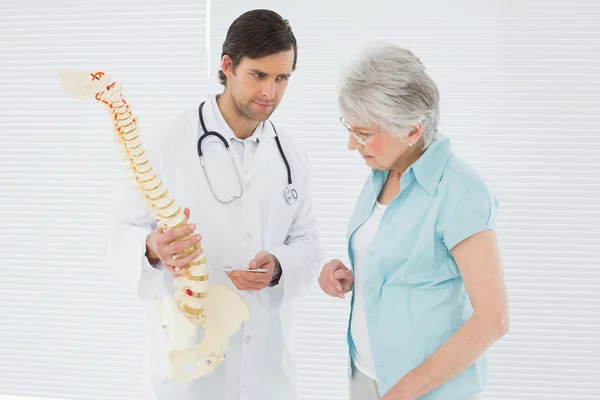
(335, 279)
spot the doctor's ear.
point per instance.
(227, 65)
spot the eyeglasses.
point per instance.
(360, 137)
(363, 137)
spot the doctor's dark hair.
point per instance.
(256, 34)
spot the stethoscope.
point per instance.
(289, 193)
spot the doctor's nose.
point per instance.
(268, 90)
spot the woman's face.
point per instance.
(380, 149)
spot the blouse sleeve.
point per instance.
(475, 212)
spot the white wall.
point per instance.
(520, 99)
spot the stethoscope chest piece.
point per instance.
(290, 194)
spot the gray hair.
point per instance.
(388, 86)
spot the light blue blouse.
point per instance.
(413, 292)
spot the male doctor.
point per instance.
(258, 230)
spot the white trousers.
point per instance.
(364, 388)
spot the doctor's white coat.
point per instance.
(258, 364)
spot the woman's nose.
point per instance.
(353, 143)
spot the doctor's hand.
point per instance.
(244, 280)
(160, 247)
(335, 279)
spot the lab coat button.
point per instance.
(248, 236)
(247, 338)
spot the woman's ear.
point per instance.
(415, 134)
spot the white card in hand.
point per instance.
(242, 269)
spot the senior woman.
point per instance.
(428, 291)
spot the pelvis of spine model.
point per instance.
(217, 309)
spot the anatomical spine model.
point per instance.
(217, 309)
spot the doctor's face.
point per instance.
(257, 86)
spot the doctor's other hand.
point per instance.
(336, 279)
(160, 247)
(244, 280)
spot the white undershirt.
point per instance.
(245, 148)
(363, 360)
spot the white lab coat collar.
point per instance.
(264, 130)
(214, 121)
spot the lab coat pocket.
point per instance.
(278, 215)
(156, 345)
